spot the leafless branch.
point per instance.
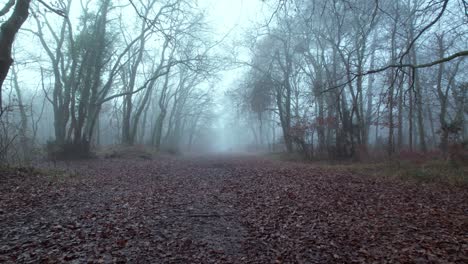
(413, 41)
(7, 7)
(460, 54)
(53, 9)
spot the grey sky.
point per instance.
(229, 17)
(228, 14)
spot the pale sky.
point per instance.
(223, 16)
(233, 17)
(232, 13)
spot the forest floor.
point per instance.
(228, 209)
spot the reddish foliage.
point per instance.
(419, 157)
(458, 153)
(362, 153)
(226, 210)
(328, 121)
(303, 126)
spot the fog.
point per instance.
(233, 131)
(324, 79)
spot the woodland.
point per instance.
(153, 131)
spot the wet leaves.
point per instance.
(226, 210)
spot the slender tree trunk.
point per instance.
(157, 131)
(400, 113)
(142, 130)
(431, 123)
(377, 122)
(420, 115)
(418, 94)
(24, 119)
(370, 91)
(391, 90)
(410, 120)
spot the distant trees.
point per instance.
(172, 76)
(78, 63)
(347, 74)
(131, 118)
(142, 63)
(328, 79)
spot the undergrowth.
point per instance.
(127, 152)
(48, 175)
(428, 169)
(437, 171)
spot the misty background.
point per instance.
(324, 79)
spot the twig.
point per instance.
(7, 7)
(55, 10)
(461, 54)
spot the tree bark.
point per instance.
(8, 32)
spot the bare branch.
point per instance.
(460, 54)
(419, 66)
(413, 41)
(7, 7)
(52, 9)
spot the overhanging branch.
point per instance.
(7, 7)
(52, 9)
(419, 66)
(460, 54)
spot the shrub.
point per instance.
(126, 152)
(458, 154)
(68, 150)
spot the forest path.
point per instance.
(225, 209)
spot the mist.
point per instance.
(326, 80)
(233, 131)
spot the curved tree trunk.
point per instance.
(8, 32)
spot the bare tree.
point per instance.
(8, 30)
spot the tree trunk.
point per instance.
(393, 78)
(400, 113)
(8, 32)
(157, 131)
(418, 94)
(410, 120)
(24, 119)
(370, 88)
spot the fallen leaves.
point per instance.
(225, 210)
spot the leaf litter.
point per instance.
(229, 209)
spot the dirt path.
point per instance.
(225, 210)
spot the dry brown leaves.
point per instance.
(225, 210)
